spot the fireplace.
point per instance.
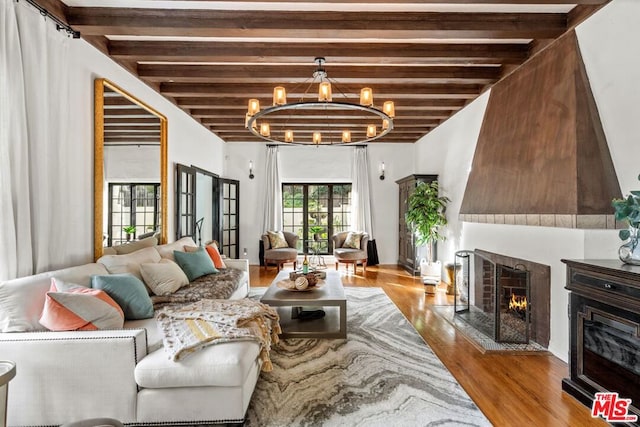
(506, 298)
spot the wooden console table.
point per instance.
(604, 312)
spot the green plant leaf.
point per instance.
(426, 213)
(624, 234)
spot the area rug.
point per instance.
(480, 339)
(383, 374)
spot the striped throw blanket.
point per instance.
(191, 327)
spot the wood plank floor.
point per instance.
(511, 390)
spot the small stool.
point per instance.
(95, 422)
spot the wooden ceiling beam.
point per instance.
(318, 121)
(328, 24)
(301, 74)
(132, 139)
(252, 90)
(402, 102)
(288, 52)
(134, 112)
(126, 133)
(414, 114)
(132, 127)
(336, 129)
(142, 121)
(522, 2)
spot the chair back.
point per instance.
(291, 238)
(340, 237)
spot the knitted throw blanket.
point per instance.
(191, 327)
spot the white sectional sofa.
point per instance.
(123, 374)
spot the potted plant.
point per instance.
(315, 231)
(129, 230)
(628, 210)
(426, 215)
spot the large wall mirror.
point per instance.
(130, 169)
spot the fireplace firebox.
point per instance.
(506, 298)
(503, 311)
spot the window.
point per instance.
(135, 205)
(315, 212)
(230, 236)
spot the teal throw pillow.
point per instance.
(128, 291)
(195, 264)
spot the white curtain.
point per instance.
(360, 195)
(34, 148)
(272, 218)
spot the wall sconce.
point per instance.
(381, 170)
(251, 175)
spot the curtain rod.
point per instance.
(59, 24)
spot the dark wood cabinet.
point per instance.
(406, 243)
(604, 341)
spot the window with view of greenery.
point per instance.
(132, 205)
(315, 212)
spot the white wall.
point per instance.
(189, 142)
(612, 63)
(320, 164)
(131, 164)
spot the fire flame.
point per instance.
(518, 303)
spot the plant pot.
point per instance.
(629, 253)
(430, 273)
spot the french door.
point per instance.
(315, 212)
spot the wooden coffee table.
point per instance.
(329, 297)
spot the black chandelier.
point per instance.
(319, 115)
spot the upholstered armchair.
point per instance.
(281, 255)
(345, 252)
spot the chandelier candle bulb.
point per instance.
(389, 109)
(317, 137)
(346, 136)
(366, 97)
(371, 131)
(254, 107)
(265, 129)
(279, 95)
(385, 124)
(324, 92)
(288, 136)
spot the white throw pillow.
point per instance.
(166, 251)
(164, 277)
(130, 263)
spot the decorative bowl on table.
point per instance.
(300, 284)
(313, 276)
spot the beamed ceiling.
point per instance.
(431, 57)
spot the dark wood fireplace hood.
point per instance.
(542, 157)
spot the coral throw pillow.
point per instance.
(69, 307)
(277, 240)
(352, 240)
(215, 256)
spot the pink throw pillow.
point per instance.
(69, 307)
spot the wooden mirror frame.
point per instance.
(98, 162)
